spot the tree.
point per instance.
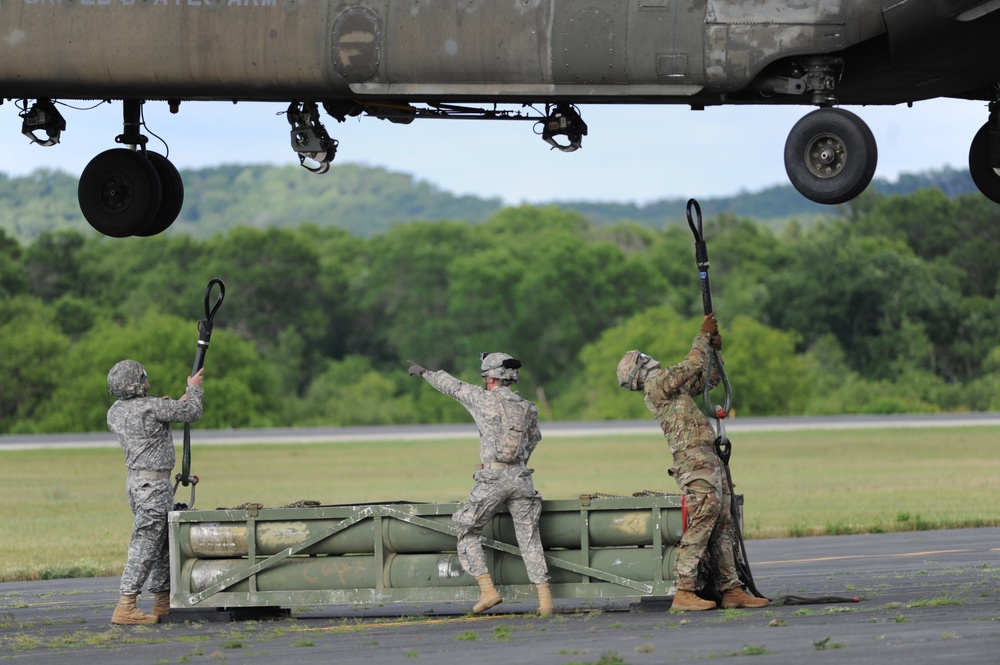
(32, 364)
(403, 294)
(976, 254)
(12, 280)
(766, 376)
(272, 282)
(40, 202)
(891, 308)
(127, 276)
(595, 393)
(483, 305)
(543, 287)
(343, 258)
(53, 264)
(993, 379)
(863, 290)
(351, 392)
(671, 258)
(362, 200)
(240, 390)
(925, 221)
(742, 255)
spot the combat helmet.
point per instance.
(499, 366)
(127, 379)
(632, 369)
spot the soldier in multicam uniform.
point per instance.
(508, 434)
(699, 472)
(143, 428)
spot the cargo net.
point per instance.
(640, 493)
(252, 505)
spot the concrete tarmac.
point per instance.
(924, 597)
(648, 426)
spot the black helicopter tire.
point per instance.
(171, 195)
(830, 156)
(119, 192)
(986, 177)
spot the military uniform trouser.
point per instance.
(494, 488)
(148, 555)
(709, 529)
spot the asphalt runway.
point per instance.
(924, 597)
(648, 426)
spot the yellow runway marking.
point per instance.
(68, 603)
(860, 556)
(414, 622)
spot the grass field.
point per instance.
(65, 513)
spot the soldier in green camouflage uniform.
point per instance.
(143, 427)
(669, 395)
(508, 434)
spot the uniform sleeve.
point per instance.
(534, 434)
(685, 373)
(464, 393)
(176, 411)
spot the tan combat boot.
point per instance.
(161, 603)
(733, 598)
(127, 614)
(545, 609)
(488, 596)
(688, 601)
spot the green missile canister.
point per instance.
(559, 529)
(414, 571)
(596, 547)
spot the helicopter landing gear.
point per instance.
(984, 156)
(830, 156)
(130, 191)
(119, 192)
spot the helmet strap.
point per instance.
(631, 376)
(640, 362)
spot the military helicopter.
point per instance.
(539, 61)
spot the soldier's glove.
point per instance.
(415, 369)
(710, 325)
(715, 341)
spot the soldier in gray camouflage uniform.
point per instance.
(143, 428)
(508, 434)
(669, 395)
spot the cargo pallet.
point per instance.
(597, 548)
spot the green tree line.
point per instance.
(891, 307)
(367, 200)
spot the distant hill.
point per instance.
(367, 200)
(772, 205)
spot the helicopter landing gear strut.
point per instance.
(130, 191)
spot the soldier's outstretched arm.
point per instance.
(690, 369)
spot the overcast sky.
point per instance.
(631, 154)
